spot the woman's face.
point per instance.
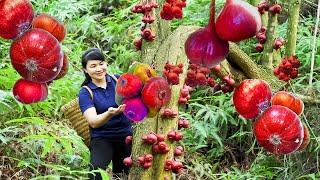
(96, 69)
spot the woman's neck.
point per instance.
(100, 82)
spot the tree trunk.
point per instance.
(292, 28)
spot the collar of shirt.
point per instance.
(93, 86)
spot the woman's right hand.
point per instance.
(115, 111)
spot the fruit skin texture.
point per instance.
(156, 93)
(279, 130)
(306, 138)
(128, 85)
(50, 24)
(15, 17)
(237, 21)
(135, 109)
(37, 56)
(288, 100)
(143, 71)
(28, 92)
(251, 97)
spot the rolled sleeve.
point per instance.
(85, 101)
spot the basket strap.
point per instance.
(90, 91)
(113, 77)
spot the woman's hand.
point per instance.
(115, 111)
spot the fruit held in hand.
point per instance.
(237, 21)
(37, 55)
(15, 17)
(251, 97)
(143, 71)
(28, 92)
(279, 130)
(135, 109)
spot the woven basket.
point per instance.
(72, 112)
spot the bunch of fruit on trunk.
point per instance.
(277, 125)
(35, 52)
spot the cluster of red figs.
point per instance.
(264, 6)
(159, 146)
(39, 62)
(261, 35)
(145, 8)
(184, 94)
(169, 113)
(277, 126)
(172, 9)
(288, 68)
(172, 72)
(262, 38)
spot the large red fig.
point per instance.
(15, 17)
(204, 47)
(156, 92)
(237, 21)
(28, 92)
(37, 56)
(279, 130)
(135, 109)
(128, 85)
(251, 97)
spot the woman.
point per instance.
(108, 126)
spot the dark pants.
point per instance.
(103, 150)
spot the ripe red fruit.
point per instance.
(151, 138)
(251, 97)
(177, 12)
(173, 78)
(65, 67)
(306, 138)
(279, 130)
(171, 135)
(147, 165)
(35, 59)
(204, 47)
(50, 24)
(28, 92)
(127, 161)
(288, 100)
(128, 85)
(178, 151)
(160, 137)
(138, 44)
(148, 158)
(128, 140)
(135, 109)
(259, 47)
(237, 21)
(15, 17)
(156, 93)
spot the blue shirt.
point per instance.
(118, 126)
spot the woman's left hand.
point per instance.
(115, 111)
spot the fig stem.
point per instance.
(275, 139)
(212, 14)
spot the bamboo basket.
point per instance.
(73, 113)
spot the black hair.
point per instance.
(90, 54)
